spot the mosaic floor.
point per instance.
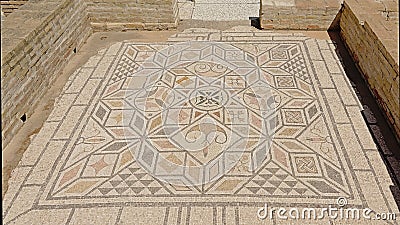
(203, 129)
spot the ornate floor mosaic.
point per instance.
(203, 129)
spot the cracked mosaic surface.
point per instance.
(125, 119)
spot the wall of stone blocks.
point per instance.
(121, 15)
(374, 51)
(37, 41)
(298, 15)
(8, 6)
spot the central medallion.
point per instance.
(208, 98)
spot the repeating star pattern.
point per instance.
(192, 98)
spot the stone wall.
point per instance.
(373, 43)
(120, 15)
(39, 38)
(298, 14)
(8, 6)
(37, 41)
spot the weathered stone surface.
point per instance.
(8, 6)
(39, 40)
(373, 43)
(298, 14)
(41, 36)
(122, 15)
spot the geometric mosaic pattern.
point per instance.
(293, 167)
(314, 157)
(195, 106)
(101, 163)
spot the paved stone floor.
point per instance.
(203, 129)
(221, 10)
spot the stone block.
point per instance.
(375, 48)
(32, 62)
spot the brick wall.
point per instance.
(373, 42)
(298, 14)
(37, 41)
(120, 15)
